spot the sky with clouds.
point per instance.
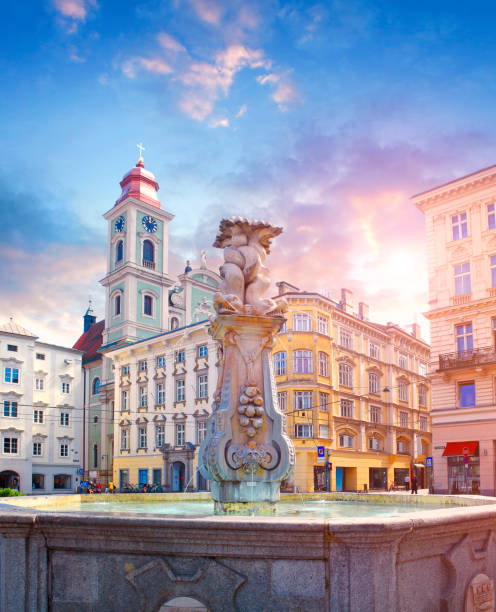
(324, 117)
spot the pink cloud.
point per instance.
(284, 93)
(73, 12)
(223, 122)
(155, 65)
(209, 11)
(169, 43)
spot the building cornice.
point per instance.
(457, 308)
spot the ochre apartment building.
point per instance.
(356, 388)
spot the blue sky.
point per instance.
(324, 117)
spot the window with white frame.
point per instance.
(280, 363)
(179, 356)
(125, 370)
(423, 423)
(11, 375)
(403, 361)
(323, 364)
(124, 438)
(64, 419)
(95, 390)
(148, 305)
(180, 434)
(324, 431)
(303, 430)
(66, 387)
(375, 414)
(464, 339)
(491, 216)
(402, 447)
(142, 365)
(459, 228)
(143, 396)
(346, 407)
(345, 338)
(323, 325)
(180, 390)
(323, 401)
(302, 322)
(63, 450)
(345, 372)
(160, 363)
(160, 394)
(124, 404)
(403, 390)
(159, 435)
(202, 386)
(202, 351)
(38, 416)
(374, 383)
(461, 274)
(11, 446)
(422, 395)
(375, 443)
(374, 350)
(117, 305)
(302, 362)
(37, 450)
(303, 400)
(10, 409)
(201, 431)
(404, 419)
(282, 398)
(39, 384)
(422, 367)
(492, 264)
(346, 440)
(142, 436)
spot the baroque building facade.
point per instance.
(40, 413)
(460, 221)
(147, 310)
(354, 388)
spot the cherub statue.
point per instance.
(244, 276)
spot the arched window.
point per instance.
(96, 386)
(119, 251)
(402, 446)
(280, 363)
(345, 374)
(117, 305)
(148, 254)
(148, 305)
(95, 455)
(174, 323)
(323, 364)
(375, 443)
(373, 383)
(346, 439)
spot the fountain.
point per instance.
(246, 453)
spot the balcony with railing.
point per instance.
(457, 300)
(467, 359)
(148, 263)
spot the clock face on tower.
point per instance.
(119, 224)
(149, 224)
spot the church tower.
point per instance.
(137, 281)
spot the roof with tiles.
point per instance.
(91, 341)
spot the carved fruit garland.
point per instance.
(250, 410)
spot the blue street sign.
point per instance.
(81, 471)
(428, 461)
(320, 451)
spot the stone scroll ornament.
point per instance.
(246, 453)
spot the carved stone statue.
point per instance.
(246, 453)
(203, 258)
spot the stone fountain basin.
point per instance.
(424, 560)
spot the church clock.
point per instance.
(149, 224)
(119, 224)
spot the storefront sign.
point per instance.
(428, 462)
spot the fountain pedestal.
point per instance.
(247, 452)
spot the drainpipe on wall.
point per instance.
(84, 422)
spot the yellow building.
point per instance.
(356, 388)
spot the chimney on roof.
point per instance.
(347, 301)
(416, 330)
(285, 287)
(363, 311)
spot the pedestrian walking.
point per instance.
(414, 485)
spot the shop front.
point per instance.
(378, 479)
(463, 467)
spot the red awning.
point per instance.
(460, 448)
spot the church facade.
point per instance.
(142, 416)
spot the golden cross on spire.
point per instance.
(141, 148)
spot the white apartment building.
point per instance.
(40, 413)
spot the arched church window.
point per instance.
(95, 455)
(148, 254)
(174, 323)
(119, 251)
(148, 305)
(96, 386)
(117, 305)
